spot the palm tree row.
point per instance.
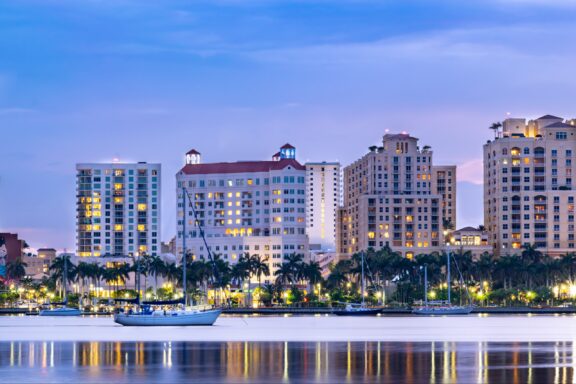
(530, 270)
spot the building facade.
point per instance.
(470, 239)
(118, 209)
(254, 207)
(389, 199)
(322, 200)
(528, 185)
(444, 184)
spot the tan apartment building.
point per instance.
(528, 185)
(444, 184)
(390, 198)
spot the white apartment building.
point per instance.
(254, 207)
(322, 200)
(528, 185)
(118, 209)
(389, 199)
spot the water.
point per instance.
(288, 362)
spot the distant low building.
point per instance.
(37, 266)
(471, 239)
(325, 259)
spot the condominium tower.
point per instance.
(322, 200)
(118, 209)
(254, 207)
(390, 199)
(528, 185)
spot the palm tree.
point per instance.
(495, 127)
(259, 266)
(116, 275)
(84, 272)
(16, 269)
(156, 267)
(312, 272)
(57, 269)
(284, 275)
(241, 271)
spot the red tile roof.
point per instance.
(241, 167)
(192, 152)
(287, 146)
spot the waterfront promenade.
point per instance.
(472, 328)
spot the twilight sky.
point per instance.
(142, 80)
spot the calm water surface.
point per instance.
(294, 362)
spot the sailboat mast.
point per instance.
(426, 285)
(184, 261)
(65, 277)
(448, 279)
(362, 278)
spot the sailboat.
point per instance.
(64, 310)
(441, 308)
(358, 309)
(146, 317)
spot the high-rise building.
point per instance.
(389, 200)
(254, 207)
(118, 209)
(322, 200)
(444, 184)
(528, 185)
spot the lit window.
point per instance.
(118, 227)
(141, 227)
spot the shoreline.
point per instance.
(319, 328)
(329, 311)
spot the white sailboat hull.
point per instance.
(442, 311)
(64, 311)
(176, 318)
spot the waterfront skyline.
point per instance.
(146, 82)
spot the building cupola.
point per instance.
(287, 151)
(192, 157)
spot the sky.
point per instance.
(142, 80)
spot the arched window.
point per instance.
(526, 150)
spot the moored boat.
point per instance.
(357, 310)
(64, 310)
(169, 318)
(441, 308)
(145, 317)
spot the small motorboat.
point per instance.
(432, 310)
(62, 311)
(353, 309)
(147, 318)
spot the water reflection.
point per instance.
(440, 362)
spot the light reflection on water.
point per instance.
(322, 362)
